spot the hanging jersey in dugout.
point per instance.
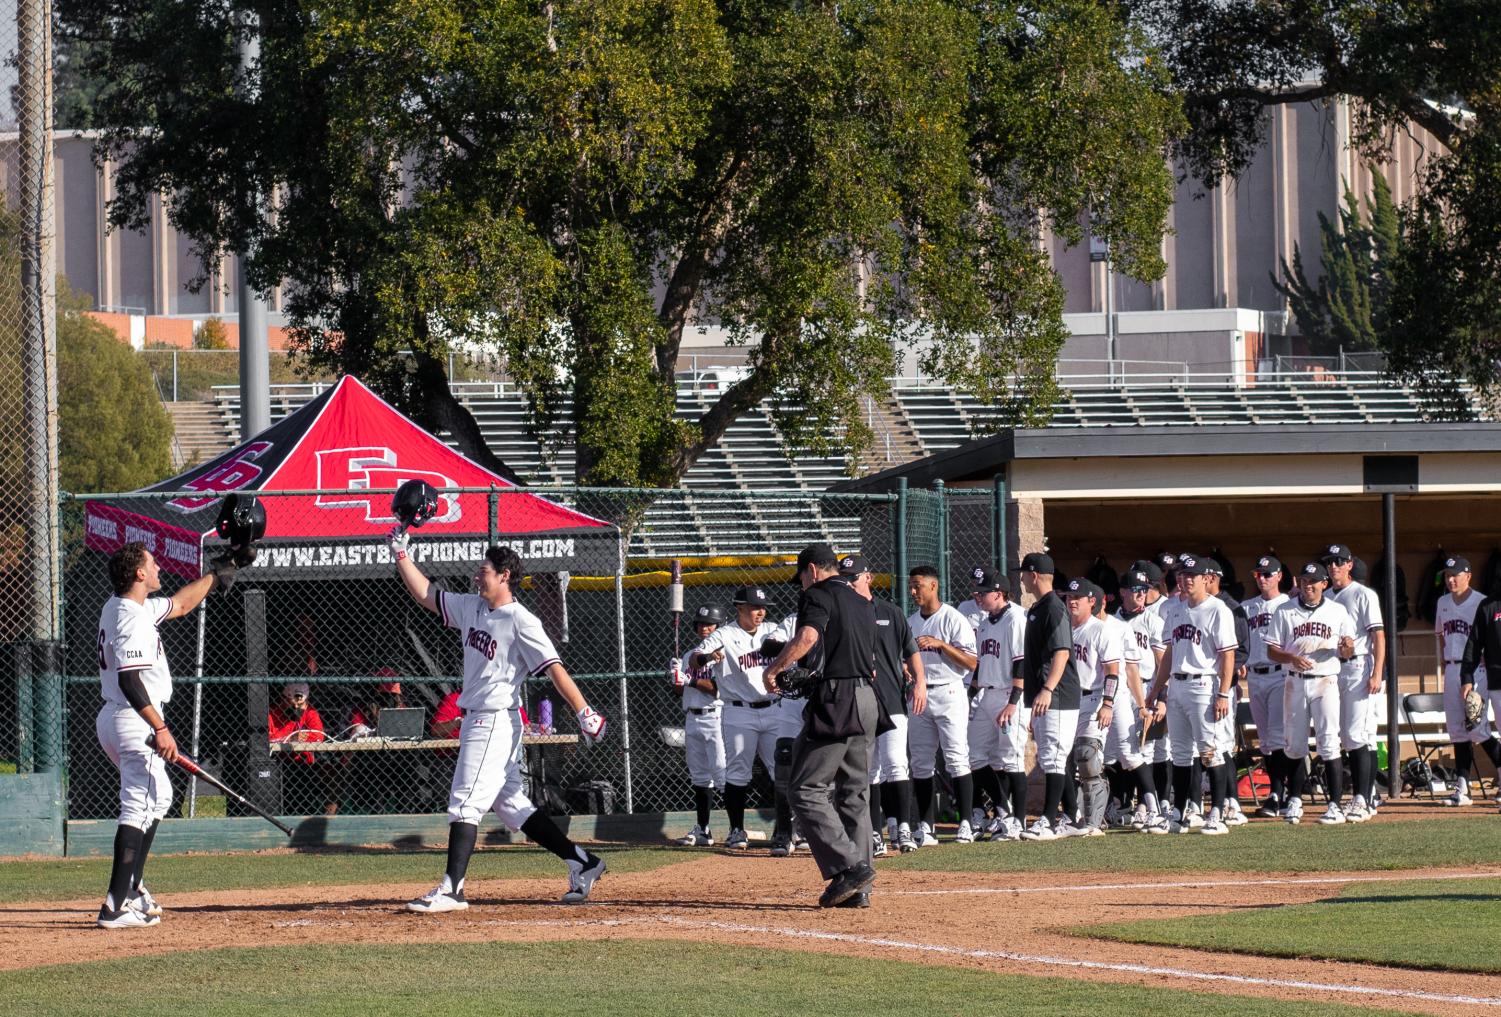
(129, 642)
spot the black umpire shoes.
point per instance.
(859, 900)
(854, 880)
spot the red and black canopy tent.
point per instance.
(353, 448)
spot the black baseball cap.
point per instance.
(1166, 561)
(1083, 588)
(1192, 565)
(1151, 568)
(1038, 562)
(1336, 552)
(1454, 565)
(1267, 565)
(853, 565)
(1214, 568)
(1137, 579)
(753, 596)
(819, 554)
(709, 614)
(1315, 571)
(988, 580)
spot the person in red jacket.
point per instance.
(293, 719)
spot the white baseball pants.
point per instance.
(487, 774)
(1053, 733)
(1357, 707)
(750, 733)
(703, 742)
(1266, 693)
(1454, 709)
(1314, 700)
(888, 760)
(145, 789)
(990, 744)
(1123, 740)
(943, 725)
(1192, 730)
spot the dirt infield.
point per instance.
(996, 922)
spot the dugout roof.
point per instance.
(354, 448)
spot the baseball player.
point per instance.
(1485, 643)
(1123, 743)
(947, 645)
(1050, 690)
(1198, 655)
(998, 751)
(1309, 636)
(1360, 678)
(1452, 624)
(751, 717)
(1265, 683)
(1213, 578)
(896, 650)
(703, 740)
(504, 644)
(1099, 652)
(136, 684)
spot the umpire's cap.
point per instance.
(1038, 562)
(819, 554)
(991, 581)
(753, 596)
(709, 614)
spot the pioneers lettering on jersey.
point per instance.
(739, 674)
(1452, 623)
(502, 647)
(1195, 636)
(1001, 640)
(1312, 632)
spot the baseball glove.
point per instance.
(796, 682)
(1474, 709)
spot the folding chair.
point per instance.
(1423, 716)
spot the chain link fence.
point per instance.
(326, 610)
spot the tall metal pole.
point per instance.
(998, 525)
(1110, 316)
(1389, 613)
(255, 357)
(943, 540)
(899, 548)
(39, 374)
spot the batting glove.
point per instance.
(591, 725)
(397, 541)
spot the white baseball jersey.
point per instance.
(1364, 607)
(1312, 632)
(1146, 632)
(693, 699)
(739, 674)
(973, 613)
(502, 647)
(1121, 636)
(1000, 644)
(128, 641)
(949, 626)
(1196, 636)
(1259, 613)
(1452, 623)
(1097, 645)
(785, 630)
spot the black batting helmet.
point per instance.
(414, 503)
(242, 520)
(709, 614)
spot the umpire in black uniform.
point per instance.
(836, 636)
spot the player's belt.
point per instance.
(1264, 670)
(1453, 662)
(1185, 677)
(759, 704)
(1308, 674)
(699, 711)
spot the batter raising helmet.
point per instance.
(414, 503)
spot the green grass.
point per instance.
(1259, 847)
(582, 979)
(1449, 925)
(69, 879)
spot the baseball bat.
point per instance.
(186, 764)
(675, 605)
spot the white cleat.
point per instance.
(1333, 816)
(737, 841)
(128, 917)
(699, 837)
(1039, 830)
(1459, 800)
(966, 834)
(581, 879)
(145, 903)
(1214, 828)
(1293, 814)
(923, 835)
(439, 900)
(1157, 824)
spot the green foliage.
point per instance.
(1457, 922)
(567, 187)
(1347, 309)
(113, 434)
(211, 335)
(596, 976)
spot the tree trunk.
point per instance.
(445, 413)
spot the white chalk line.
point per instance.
(1191, 885)
(1067, 962)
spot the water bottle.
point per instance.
(544, 716)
